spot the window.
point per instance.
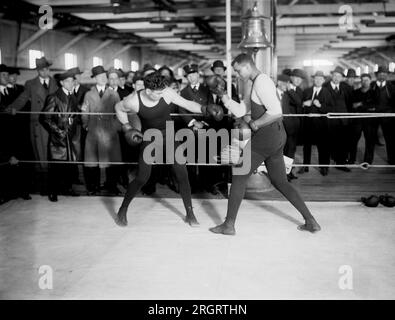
(366, 69)
(0, 56)
(33, 55)
(117, 63)
(358, 71)
(70, 60)
(180, 72)
(376, 67)
(157, 66)
(134, 66)
(391, 67)
(97, 61)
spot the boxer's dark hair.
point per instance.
(155, 81)
(243, 58)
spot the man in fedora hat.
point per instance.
(79, 92)
(36, 91)
(363, 102)
(295, 96)
(291, 124)
(222, 176)
(384, 100)
(350, 77)
(13, 178)
(114, 76)
(102, 141)
(199, 93)
(317, 99)
(339, 129)
(64, 136)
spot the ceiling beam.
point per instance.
(100, 47)
(70, 44)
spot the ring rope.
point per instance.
(362, 165)
(329, 115)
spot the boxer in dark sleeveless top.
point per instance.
(267, 144)
(153, 107)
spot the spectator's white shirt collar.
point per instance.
(292, 86)
(197, 86)
(334, 86)
(100, 88)
(379, 83)
(66, 92)
(42, 80)
(76, 87)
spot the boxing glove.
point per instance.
(216, 85)
(387, 201)
(372, 201)
(213, 110)
(132, 136)
(244, 132)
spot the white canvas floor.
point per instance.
(158, 256)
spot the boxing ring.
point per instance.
(76, 243)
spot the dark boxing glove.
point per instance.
(213, 110)
(244, 132)
(132, 136)
(216, 85)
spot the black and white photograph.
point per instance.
(220, 152)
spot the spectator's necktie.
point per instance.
(75, 92)
(337, 89)
(194, 89)
(314, 95)
(5, 92)
(101, 93)
(45, 85)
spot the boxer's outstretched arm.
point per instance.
(173, 97)
(238, 109)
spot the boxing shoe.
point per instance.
(371, 202)
(387, 200)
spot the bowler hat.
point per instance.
(75, 70)
(65, 75)
(113, 70)
(97, 70)
(13, 70)
(298, 73)
(4, 68)
(339, 70)
(283, 77)
(191, 68)
(351, 73)
(382, 69)
(318, 74)
(218, 64)
(42, 63)
(287, 72)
